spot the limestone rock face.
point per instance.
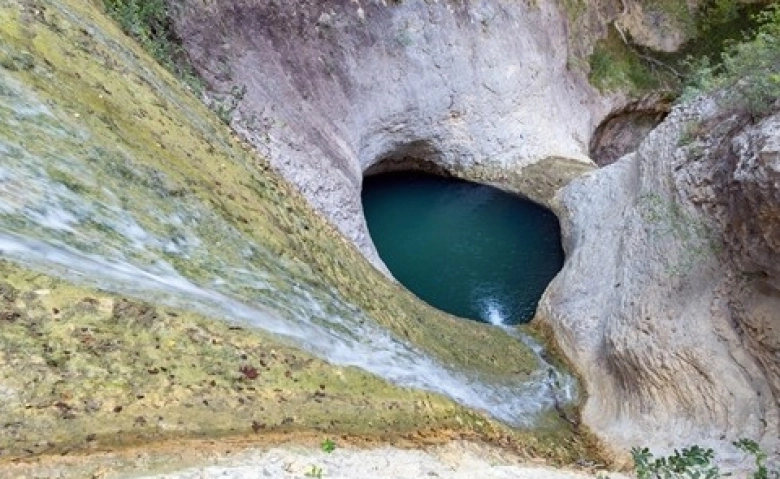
(669, 301)
(753, 230)
(670, 298)
(326, 89)
(654, 27)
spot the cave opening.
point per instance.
(622, 131)
(468, 249)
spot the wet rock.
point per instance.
(134, 312)
(10, 314)
(8, 293)
(8, 309)
(114, 342)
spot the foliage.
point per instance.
(617, 63)
(614, 65)
(748, 74)
(328, 445)
(148, 21)
(719, 12)
(315, 471)
(690, 463)
(696, 463)
(719, 23)
(759, 456)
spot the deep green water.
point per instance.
(467, 249)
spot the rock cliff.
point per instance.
(669, 300)
(329, 89)
(158, 280)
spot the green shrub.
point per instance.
(690, 463)
(328, 445)
(614, 66)
(617, 63)
(759, 456)
(748, 74)
(696, 463)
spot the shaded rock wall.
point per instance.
(623, 130)
(669, 300)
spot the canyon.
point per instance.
(667, 309)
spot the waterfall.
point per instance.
(92, 214)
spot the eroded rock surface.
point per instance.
(328, 89)
(669, 300)
(622, 131)
(117, 184)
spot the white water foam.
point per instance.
(492, 312)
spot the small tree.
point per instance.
(748, 76)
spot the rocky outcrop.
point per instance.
(669, 301)
(482, 89)
(329, 89)
(246, 312)
(652, 26)
(623, 130)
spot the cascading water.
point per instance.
(91, 214)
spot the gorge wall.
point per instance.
(668, 301)
(158, 281)
(329, 89)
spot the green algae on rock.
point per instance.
(104, 370)
(119, 179)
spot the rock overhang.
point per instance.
(333, 88)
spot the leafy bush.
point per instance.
(617, 63)
(751, 447)
(691, 463)
(748, 75)
(696, 463)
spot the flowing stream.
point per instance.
(92, 214)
